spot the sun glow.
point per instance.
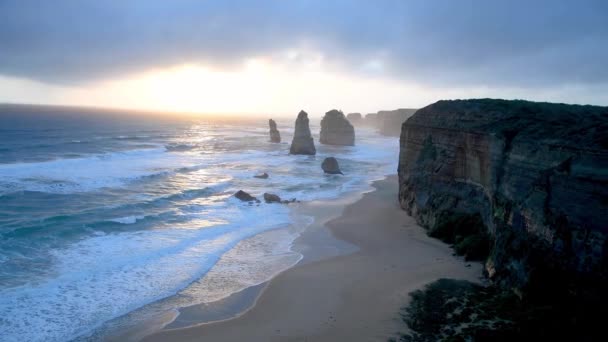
(277, 85)
(259, 85)
(194, 88)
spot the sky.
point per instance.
(237, 56)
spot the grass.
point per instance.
(457, 310)
(465, 232)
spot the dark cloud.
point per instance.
(482, 42)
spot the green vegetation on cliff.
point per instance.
(521, 186)
(456, 310)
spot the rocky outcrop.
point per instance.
(532, 176)
(371, 119)
(302, 142)
(336, 130)
(271, 198)
(354, 118)
(262, 176)
(330, 165)
(275, 136)
(245, 197)
(389, 122)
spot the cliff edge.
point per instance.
(520, 185)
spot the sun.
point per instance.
(191, 88)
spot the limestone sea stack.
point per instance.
(275, 136)
(302, 142)
(388, 122)
(525, 181)
(354, 118)
(336, 130)
(370, 119)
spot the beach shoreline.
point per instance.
(362, 256)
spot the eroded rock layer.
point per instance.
(389, 122)
(336, 130)
(534, 175)
(275, 136)
(302, 142)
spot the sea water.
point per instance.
(102, 213)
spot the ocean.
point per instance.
(106, 213)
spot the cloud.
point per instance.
(470, 42)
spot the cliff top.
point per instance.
(575, 126)
(403, 111)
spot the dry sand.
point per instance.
(353, 297)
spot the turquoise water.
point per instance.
(101, 213)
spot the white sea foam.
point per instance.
(110, 170)
(86, 174)
(214, 253)
(106, 276)
(127, 219)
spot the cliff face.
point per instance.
(354, 118)
(534, 176)
(389, 122)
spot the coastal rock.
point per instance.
(330, 165)
(271, 198)
(354, 118)
(388, 122)
(302, 142)
(245, 197)
(370, 120)
(262, 176)
(336, 130)
(275, 136)
(532, 176)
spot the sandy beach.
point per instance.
(354, 297)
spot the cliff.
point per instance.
(389, 122)
(521, 185)
(371, 119)
(354, 118)
(336, 129)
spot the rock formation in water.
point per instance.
(245, 197)
(262, 176)
(302, 142)
(275, 136)
(370, 119)
(388, 122)
(330, 165)
(354, 118)
(526, 182)
(271, 198)
(336, 130)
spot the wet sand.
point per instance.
(339, 292)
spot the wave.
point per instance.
(161, 220)
(107, 276)
(127, 219)
(89, 173)
(180, 147)
(131, 137)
